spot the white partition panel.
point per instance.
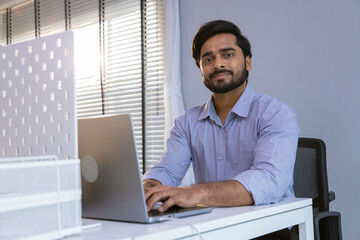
(37, 101)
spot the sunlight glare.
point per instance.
(87, 59)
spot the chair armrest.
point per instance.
(331, 196)
(336, 220)
(320, 215)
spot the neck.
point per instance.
(224, 102)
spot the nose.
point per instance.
(219, 64)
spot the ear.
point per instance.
(248, 63)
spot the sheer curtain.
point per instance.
(174, 105)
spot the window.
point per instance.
(119, 58)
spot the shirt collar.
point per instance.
(208, 110)
(241, 107)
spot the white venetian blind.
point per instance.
(50, 21)
(22, 20)
(3, 28)
(123, 63)
(154, 21)
(119, 59)
(84, 21)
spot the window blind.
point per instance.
(3, 28)
(50, 22)
(119, 58)
(84, 21)
(155, 76)
(22, 22)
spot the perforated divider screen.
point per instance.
(38, 106)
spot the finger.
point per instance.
(167, 204)
(151, 191)
(156, 197)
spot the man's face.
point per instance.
(222, 63)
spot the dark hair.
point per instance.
(213, 28)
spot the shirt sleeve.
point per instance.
(271, 174)
(176, 158)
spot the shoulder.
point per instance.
(191, 115)
(269, 108)
(187, 121)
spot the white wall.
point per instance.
(307, 54)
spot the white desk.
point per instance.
(223, 223)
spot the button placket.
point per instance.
(221, 154)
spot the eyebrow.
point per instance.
(226, 49)
(221, 50)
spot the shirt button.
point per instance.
(222, 131)
(220, 158)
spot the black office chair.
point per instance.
(310, 181)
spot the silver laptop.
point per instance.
(111, 181)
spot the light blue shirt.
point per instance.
(256, 147)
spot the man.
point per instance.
(242, 144)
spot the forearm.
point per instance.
(222, 194)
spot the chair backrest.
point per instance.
(310, 173)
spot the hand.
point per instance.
(180, 196)
(150, 183)
(219, 194)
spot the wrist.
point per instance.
(151, 183)
(201, 193)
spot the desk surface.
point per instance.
(223, 223)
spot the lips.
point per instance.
(221, 74)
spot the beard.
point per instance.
(236, 81)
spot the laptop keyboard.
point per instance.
(173, 209)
